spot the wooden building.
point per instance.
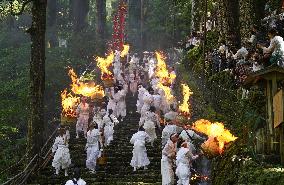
(270, 139)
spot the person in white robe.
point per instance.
(133, 83)
(147, 101)
(157, 99)
(140, 101)
(165, 106)
(67, 133)
(167, 161)
(169, 129)
(109, 121)
(183, 162)
(119, 98)
(77, 180)
(111, 105)
(139, 158)
(150, 122)
(98, 117)
(82, 111)
(188, 135)
(92, 147)
(60, 152)
(152, 66)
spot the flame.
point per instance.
(69, 102)
(86, 89)
(167, 91)
(184, 107)
(161, 70)
(125, 50)
(103, 64)
(215, 131)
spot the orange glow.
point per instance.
(125, 50)
(167, 91)
(162, 72)
(103, 64)
(216, 133)
(69, 102)
(89, 89)
(185, 106)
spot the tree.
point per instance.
(37, 73)
(101, 19)
(51, 22)
(79, 10)
(228, 21)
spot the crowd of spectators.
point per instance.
(264, 48)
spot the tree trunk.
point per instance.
(79, 10)
(51, 22)
(101, 20)
(37, 76)
(229, 24)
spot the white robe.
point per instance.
(183, 162)
(79, 182)
(157, 101)
(152, 66)
(140, 102)
(108, 128)
(132, 83)
(167, 132)
(83, 118)
(98, 119)
(147, 101)
(119, 97)
(61, 158)
(149, 122)
(167, 171)
(139, 158)
(111, 105)
(93, 149)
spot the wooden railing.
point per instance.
(36, 163)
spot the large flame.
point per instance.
(125, 50)
(103, 64)
(161, 70)
(168, 93)
(215, 131)
(69, 102)
(89, 89)
(184, 107)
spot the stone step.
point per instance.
(118, 154)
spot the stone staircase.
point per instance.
(119, 154)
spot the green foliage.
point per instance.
(13, 113)
(237, 167)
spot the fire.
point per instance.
(168, 93)
(69, 102)
(125, 50)
(162, 72)
(216, 133)
(86, 89)
(103, 64)
(184, 107)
